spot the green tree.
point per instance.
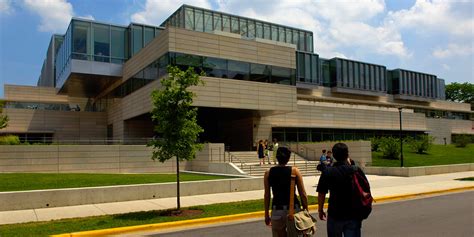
(390, 147)
(3, 118)
(175, 119)
(460, 92)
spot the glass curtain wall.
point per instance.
(405, 82)
(142, 35)
(203, 20)
(307, 66)
(358, 75)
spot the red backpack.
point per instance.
(361, 198)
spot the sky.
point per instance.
(430, 36)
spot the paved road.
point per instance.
(448, 215)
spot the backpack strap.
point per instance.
(292, 194)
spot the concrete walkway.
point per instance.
(382, 186)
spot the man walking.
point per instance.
(342, 218)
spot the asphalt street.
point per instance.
(447, 215)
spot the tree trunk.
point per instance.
(177, 182)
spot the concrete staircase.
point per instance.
(248, 162)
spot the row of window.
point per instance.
(329, 134)
(414, 83)
(445, 114)
(208, 21)
(358, 75)
(212, 67)
(307, 67)
(38, 106)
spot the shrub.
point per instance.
(421, 144)
(374, 143)
(390, 147)
(462, 140)
(9, 140)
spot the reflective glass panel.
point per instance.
(189, 19)
(251, 29)
(137, 34)
(81, 40)
(199, 20)
(238, 70)
(149, 34)
(281, 34)
(281, 75)
(118, 44)
(208, 27)
(267, 31)
(243, 27)
(259, 30)
(234, 27)
(260, 72)
(217, 22)
(274, 33)
(215, 67)
(225, 23)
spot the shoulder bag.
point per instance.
(300, 223)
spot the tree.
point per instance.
(3, 118)
(460, 92)
(175, 119)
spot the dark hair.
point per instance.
(340, 151)
(324, 151)
(283, 155)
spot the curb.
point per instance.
(235, 217)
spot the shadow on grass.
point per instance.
(151, 215)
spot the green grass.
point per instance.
(129, 219)
(437, 155)
(32, 181)
(466, 179)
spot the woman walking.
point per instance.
(278, 180)
(260, 148)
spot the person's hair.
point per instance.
(324, 151)
(340, 151)
(260, 141)
(274, 140)
(283, 155)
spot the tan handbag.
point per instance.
(300, 223)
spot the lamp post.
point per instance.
(401, 141)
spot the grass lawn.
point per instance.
(129, 219)
(437, 155)
(35, 181)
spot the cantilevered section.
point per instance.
(204, 20)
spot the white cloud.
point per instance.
(448, 17)
(453, 50)
(156, 11)
(335, 24)
(55, 14)
(445, 66)
(6, 7)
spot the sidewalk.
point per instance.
(382, 186)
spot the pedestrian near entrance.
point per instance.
(278, 180)
(275, 148)
(342, 218)
(260, 148)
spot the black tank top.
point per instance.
(280, 180)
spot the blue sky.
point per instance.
(430, 36)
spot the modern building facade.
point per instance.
(262, 80)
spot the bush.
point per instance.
(421, 144)
(9, 140)
(390, 147)
(374, 143)
(462, 140)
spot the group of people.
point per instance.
(265, 151)
(341, 218)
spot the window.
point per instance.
(189, 19)
(137, 34)
(208, 27)
(282, 75)
(199, 20)
(215, 67)
(225, 23)
(260, 72)
(274, 32)
(101, 43)
(149, 35)
(251, 29)
(281, 34)
(217, 22)
(234, 26)
(118, 44)
(243, 27)
(301, 45)
(267, 31)
(307, 68)
(289, 36)
(259, 30)
(238, 70)
(81, 40)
